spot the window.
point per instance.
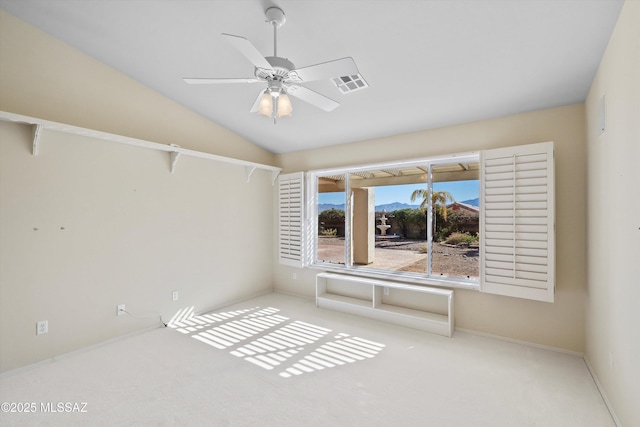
(331, 224)
(416, 219)
(480, 221)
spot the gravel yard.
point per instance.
(447, 260)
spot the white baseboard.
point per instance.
(602, 393)
(74, 352)
(233, 302)
(115, 339)
(293, 294)
(527, 343)
(559, 350)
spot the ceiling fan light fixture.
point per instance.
(265, 108)
(284, 106)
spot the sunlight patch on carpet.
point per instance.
(271, 341)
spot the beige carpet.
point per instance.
(278, 360)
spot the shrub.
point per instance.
(329, 232)
(411, 222)
(464, 239)
(442, 233)
(331, 219)
(331, 214)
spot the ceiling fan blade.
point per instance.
(246, 48)
(210, 81)
(325, 70)
(256, 104)
(312, 97)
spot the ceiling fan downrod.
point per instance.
(275, 16)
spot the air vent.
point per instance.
(348, 84)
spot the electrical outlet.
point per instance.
(174, 295)
(42, 327)
(121, 309)
(294, 276)
(386, 290)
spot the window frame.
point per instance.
(524, 216)
(365, 271)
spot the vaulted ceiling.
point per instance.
(429, 64)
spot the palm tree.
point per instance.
(438, 200)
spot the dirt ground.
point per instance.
(447, 260)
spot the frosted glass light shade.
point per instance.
(265, 107)
(284, 106)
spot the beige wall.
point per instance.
(44, 78)
(613, 303)
(560, 324)
(133, 232)
(89, 224)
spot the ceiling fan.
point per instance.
(283, 78)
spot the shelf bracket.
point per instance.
(250, 170)
(174, 157)
(274, 175)
(35, 130)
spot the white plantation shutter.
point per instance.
(517, 222)
(290, 214)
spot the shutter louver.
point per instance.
(290, 217)
(517, 217)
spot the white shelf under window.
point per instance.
(369, 302)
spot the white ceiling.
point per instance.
(428, 63)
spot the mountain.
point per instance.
(389, 207)
(328, 206)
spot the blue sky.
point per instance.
(460, 190)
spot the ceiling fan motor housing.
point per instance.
(281, 68)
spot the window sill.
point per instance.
(416, 279)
